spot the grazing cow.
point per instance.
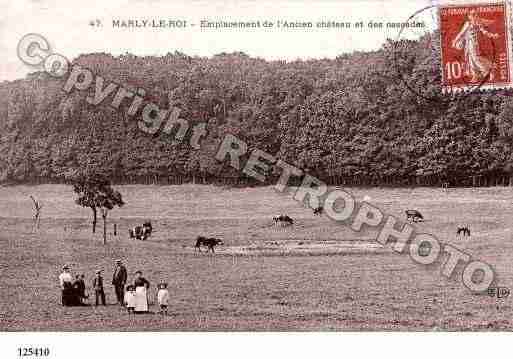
(463, 230)
(318, 211)
(210, 243)
(148, 228)
(136, 232)
(141, 232)
(413, 215)
(283, 219)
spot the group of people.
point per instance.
(135, 298)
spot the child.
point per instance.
(98, 288)
(130, 299)
(79, 288)
(83, 286)
(163, 297)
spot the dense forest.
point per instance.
(365, 118)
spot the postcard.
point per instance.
(255, 166)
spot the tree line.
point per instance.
(365, 118)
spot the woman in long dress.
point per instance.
(477, 66)
(69, 295)
(141, 296)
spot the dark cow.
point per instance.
(210, 243)
(283, 219)
(318, 211)
(136, 232)
(148, 227)
(141, 232)
(463, 230)
(413, 215)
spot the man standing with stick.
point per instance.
(119, 280)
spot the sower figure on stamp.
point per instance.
(119, 280)
(477, 66)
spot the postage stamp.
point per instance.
(475, 46)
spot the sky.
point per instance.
(66, 26)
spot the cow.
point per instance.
(210, 243)
(283, 219)
(136, 232)
(318, 211)
(463, 230)
(413, 215)
(141, 232)
(148, 227)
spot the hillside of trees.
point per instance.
(366, 118)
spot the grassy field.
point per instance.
(316, 275)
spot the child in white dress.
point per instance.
(130, 299)
(163, 297)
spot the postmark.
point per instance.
(475, 46)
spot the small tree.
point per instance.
(94, 191)
(106, 201)
(86, 186)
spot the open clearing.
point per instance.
(316, 275)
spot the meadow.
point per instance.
(315, 275)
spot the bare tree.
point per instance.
(37, 212)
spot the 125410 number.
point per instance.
(33, 352)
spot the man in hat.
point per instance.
(66, 283)
(99, 293)
(119, 280)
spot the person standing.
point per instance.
(130, 299)
(76, 291)
(66, 283)
(141, 287)
(80, 288)
(99, 293)
(163, 297)
(119, 280)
